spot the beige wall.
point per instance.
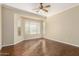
(64, 27)
(0, 26)
(7, 27)
(9, 24)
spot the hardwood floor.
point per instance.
(40, 47)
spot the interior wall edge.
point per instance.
(62, 42)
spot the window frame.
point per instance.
(40, 24)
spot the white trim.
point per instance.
(12, 44)
(46, 38)
(33, 38)
(18, 41)
(7, 45)
(63, 42)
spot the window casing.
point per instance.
(33, 27)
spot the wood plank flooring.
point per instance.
(40, 47)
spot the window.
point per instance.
(32, 27)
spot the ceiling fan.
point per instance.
(42, 7)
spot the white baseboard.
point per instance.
(18, 41)
(13, 43)
(33, 38)
(63, 42)
(7, 45)
(44, 37)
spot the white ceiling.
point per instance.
(54, 9)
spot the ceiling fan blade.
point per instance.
(47, 6)
(45, 10)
